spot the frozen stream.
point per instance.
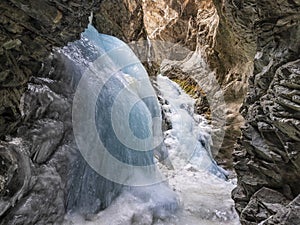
(205, 197)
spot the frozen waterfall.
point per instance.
(190, 132)
(117, 126)
(116, 122)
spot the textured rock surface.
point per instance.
(43, 153)
(34, 165)
(121, 18)
(15, 174)
(233, 56)
(268, 152)
(286, 215)
(29, 31)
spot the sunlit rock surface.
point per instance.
(194, 25)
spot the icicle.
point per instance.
(91, 17)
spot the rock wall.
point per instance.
(198, 26)
(38, 156)
(267, 158)
(121, 18)
(29, 31)
(35, 109)
(233, 58)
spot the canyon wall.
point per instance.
(267, 156)
(35, 113)
(29, 31)
(252, 45)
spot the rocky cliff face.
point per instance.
(267, 157)
(34, 162)
(29, 31)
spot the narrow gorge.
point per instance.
(150, 112)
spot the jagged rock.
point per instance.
(15, 174)
(191, 23)
(286, 215)
(46, 200)
(267, 154)
(44, 144)
(262, 205)
(126, 23)
(44, 136)
(233, 60)
(29, 31)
